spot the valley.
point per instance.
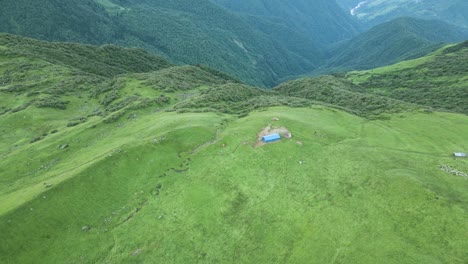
(262, 43)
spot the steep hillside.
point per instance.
(262, 43)
(184, 31)
(57, 85)
(108, 60)
(339, 92)
(323, 21)
(76, 21)
(439, 80)
(374, 12)
(394, 41)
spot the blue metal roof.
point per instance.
(271, 138)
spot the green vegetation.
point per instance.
(260, 42)
(111, 161)
(438, 80)
(108, 60)
(188, 32)
(339, 93)
(398, 40)
(322, 21)
(162, 188)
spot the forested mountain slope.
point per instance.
(321, 20)
(184, 31)
(259, 42)
(394, 41)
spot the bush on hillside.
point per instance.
(51, 102)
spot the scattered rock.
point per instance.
(137, 252)
(132, 117)
(64, 146)
(453, 171)
(85, 228)
(275, 119)
(179, 171)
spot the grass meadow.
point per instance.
(191, 188)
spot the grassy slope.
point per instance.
(438, 80)
(157, 186)
(367, 190)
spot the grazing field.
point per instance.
(185, 188)
(127, 158)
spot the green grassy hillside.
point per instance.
(179, 188)
(438, 80)
(105, 161)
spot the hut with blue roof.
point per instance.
(271, 138)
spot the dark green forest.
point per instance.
(262, 43)
(398, 40)
(193, 32)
